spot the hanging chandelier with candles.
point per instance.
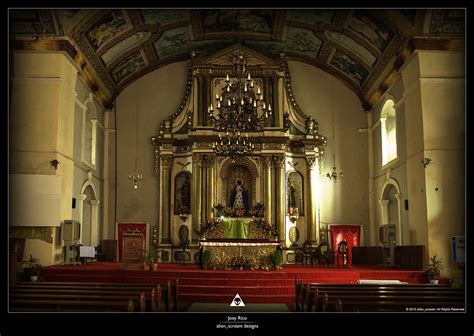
(333, 176)
(135, 176)
(238, 109)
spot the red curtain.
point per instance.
(129, 228)
(349, 233)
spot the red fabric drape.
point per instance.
(130, 227)
(349, 233)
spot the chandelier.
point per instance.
(239, 108)
(333, 176)
(135, 176)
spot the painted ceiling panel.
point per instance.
(371, 29)
(121, 47)
(353, 44)
(310, 16)
(164, 16)
(107, 28)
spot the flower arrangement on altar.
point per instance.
(209, 225)
(266, 226)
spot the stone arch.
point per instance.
(89, 213)
(384, 201)
(250, 165)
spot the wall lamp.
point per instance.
(425, 161)
(54, 163)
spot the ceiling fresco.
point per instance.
(356, 45)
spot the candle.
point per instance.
(217, 96)
(227, 78)
(258, 90)
(269, 107)
(249, 76)
(251, 84)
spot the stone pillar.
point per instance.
(167, 164)
(384, 210)
(312, 230)
(267, 191)
(196, 201)
(211, 192)
(435, 115)
(280, 197)
(400, 218)
(95, 222)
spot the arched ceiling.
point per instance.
(358, 46)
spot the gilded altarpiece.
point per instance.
(198, 186)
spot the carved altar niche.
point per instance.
(243, 168)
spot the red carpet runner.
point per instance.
(196, 285)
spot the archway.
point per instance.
(89, 215)
(391, 207)
(243, 168)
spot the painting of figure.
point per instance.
(225, 20)
(127, 67)
(310, 16)
(349, 66)
(163, 16)
(108, 27)
(302, 41)
(173, 41)
(376, 32)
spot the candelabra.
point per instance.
(135, 177)
(239, 108)
(334, 175)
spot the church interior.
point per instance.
(288, 145)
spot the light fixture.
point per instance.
(238, 109)
(333, 176)
(135, 176)
(425, 161)
(54, 163)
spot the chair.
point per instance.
(309, 251)
(326, 255)
(342, 253)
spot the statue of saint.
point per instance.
(291, 196)
(239, 197)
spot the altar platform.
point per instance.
(220, 286)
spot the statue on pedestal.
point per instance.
(239, 197)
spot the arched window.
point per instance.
(388, 126)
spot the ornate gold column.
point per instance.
(267, 191)
(280, 197)
(196, 201)
(312, 228)
(167, 164)
(275, 108)
(211, 194)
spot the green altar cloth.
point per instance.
(237, 228)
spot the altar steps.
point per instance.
(221, 286)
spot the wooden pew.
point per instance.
(354, 297)
(71, 297)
